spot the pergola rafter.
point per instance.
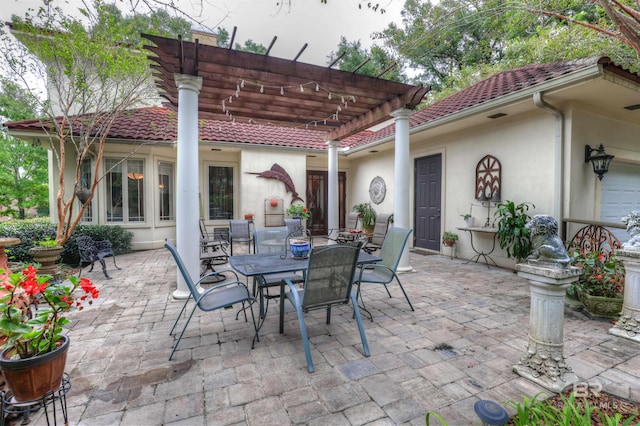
(249, 87)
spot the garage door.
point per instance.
(620, 195)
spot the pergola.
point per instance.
(204, 81)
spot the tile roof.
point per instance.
(160, 124)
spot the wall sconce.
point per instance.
(600, 160)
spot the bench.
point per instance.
(91, 251)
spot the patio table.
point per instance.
(254, 265)
(486, 254)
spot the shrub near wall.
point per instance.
(34, 230)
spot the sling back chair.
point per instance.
(384, 272)
(379, 232)
(239, 232)
(328, 282)
(216, 297)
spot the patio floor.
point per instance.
(120, 373)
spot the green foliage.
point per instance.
(449, 236)
(298, 210)
(534, 411)
(30, 231)
(513, 235)
(379, 60)
(367, 214)
(23, 167)
(601, 276)
(436, 415)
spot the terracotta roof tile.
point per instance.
(160, 124)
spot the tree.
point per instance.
(95, 70)
(23, 167)
(378, 60)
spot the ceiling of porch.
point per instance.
(253, 88)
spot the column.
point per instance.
(544, 362)
(333, 220)
(402, 175)
(187, 189)
(628, 325)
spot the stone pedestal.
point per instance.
(628, 325)
(544, 362)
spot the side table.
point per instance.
(48, 402)
(485, 254)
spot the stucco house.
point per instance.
(535, 121)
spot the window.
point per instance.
(220, 192)
(85, 183)
(125, 190)
(166, 191)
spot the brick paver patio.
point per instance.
(468, 330)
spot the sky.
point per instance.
(304, 21)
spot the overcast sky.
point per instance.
(306, 21)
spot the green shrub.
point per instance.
(33, 230)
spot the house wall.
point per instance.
(588, 127)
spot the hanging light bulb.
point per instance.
(242, 84)
(261, 88)
(301, 89)
(282, 90)
(342, 98)
(224, 108)
(329, 95)
(317, 87)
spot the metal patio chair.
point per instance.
(379, 232)
(240, 232)
(216, 297)
(384, 272)
(328, 282)
(91, 251)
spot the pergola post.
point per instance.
(187, 203)
(333, 220)
(402, 179)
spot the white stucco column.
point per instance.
(187, 203)
(628, 325)
(402, 180)
(333, 221)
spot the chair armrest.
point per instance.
(371, 266)
(227, 284)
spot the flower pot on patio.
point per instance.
(599, 306)
(48, 258)
(31, 378)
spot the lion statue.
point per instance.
(547, 247)
(632, 220)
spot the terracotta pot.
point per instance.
(31, 378)
(601, 307)
(248, 217)
(449, 242)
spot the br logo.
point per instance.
(582, 389)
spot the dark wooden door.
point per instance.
(317, 196)
(428, 181)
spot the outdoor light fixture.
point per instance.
(600, 160)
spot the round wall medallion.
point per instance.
(377, 190)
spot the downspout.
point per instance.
(559, 155)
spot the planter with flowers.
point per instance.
(601, 286)
(299, 246)
(31, 319)
(298, 210)
(47, 253)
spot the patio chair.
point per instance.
(239, 232)
(343, 235)
(91, 251)
(295, 226)
(219, 296)
(328, 282)
(379, 232)
(271, 240)
(384, 272)
(213, 248)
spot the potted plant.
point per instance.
(35, 353)
(469, 220)
(601, 285)
(449, 238)
(47, 253)
(513, 235)
(298, 210)
(367, 215)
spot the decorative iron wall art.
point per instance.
(488, 174)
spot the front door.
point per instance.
(317, 196)
(428, 179)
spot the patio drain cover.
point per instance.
(490, 412)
